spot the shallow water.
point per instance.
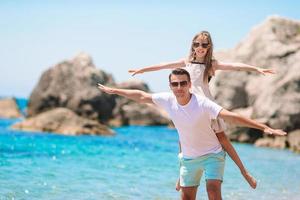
(137, 163)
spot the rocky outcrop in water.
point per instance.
(72, 85)
(9, 108)
(63, 121)
(275, 99)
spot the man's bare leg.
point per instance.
(226, 144)
(177, 187)
(189, 193)
(213, 188)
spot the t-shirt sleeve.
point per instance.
(212, 108)
(161, 99)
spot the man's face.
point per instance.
(180, 85)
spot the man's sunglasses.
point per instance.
(198, 44)
(181, 83)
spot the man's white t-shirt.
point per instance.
(193, 123)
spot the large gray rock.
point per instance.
(280, 102)
(73, 84)
(63, 121)
(229, 89)
(9, 108)
(273, 44)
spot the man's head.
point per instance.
(180, 83)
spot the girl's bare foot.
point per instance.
(250, 179)
(178, 185)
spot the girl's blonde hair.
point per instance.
(208, 59)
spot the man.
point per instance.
(192, 115)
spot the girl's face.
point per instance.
(201, 47)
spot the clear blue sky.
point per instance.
(119, 35)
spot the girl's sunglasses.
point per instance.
(181, 83)
(198, 44)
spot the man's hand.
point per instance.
(106, 89)
(271, 131)
(246, 122)
(135, 95)
(265, 71)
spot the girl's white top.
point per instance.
(198, 85)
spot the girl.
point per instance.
(202, 66)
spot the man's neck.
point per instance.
(184, 100)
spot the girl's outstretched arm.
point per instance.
(171, 65)
(241, 67)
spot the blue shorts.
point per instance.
(191, 170)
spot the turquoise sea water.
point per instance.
(137, 163)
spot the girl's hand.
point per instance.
(105, 89)
(265, 71)
(135, 71)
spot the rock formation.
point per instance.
(275, 99)
(64, 121)
(9, 108)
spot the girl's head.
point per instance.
(202, 50)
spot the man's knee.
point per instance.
(188, 193)
(214, 189)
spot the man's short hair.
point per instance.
(180, 71)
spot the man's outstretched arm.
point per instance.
(135, 95)
(243, 121)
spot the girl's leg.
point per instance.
(226, 144)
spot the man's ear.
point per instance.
(190, 84)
